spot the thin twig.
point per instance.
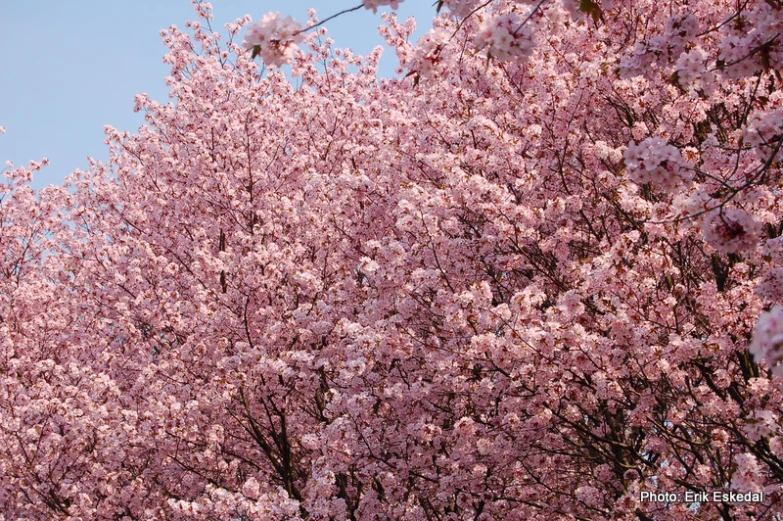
(349, 10)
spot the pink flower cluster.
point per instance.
(505, 37)
(461, 8)
(767, 343)
(765, 130)
(732, 231)
(430, 53)
(657, 162)
(274, 38)
(375, 4)
(772, 286)
(692, 69)
(746, 474)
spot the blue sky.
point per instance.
(69, 68)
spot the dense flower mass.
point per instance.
(539, 286)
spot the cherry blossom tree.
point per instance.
(532, 279)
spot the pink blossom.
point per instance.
(767, 344)
(692, 68)
(771, 287)
(461, 8)
(764, 130)
(274, 38)
(431, 51)
(589, 495)
(505, 38)
(375, 4)
(731, 231)
(655, 161)
(747, 473)
(251, 488)
(685, 25)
